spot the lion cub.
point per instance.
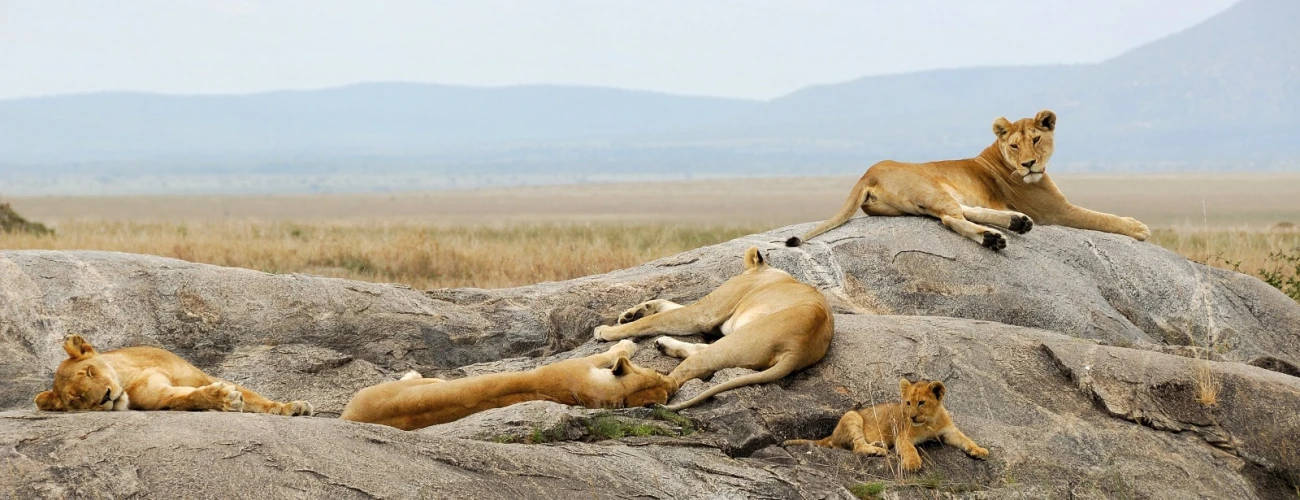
(920, 417)
(146, 378)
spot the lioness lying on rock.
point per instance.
(769, 321)
(920, 417)
(146, 378)
(606, 380)
(1005, 186)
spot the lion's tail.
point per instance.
(815, 442)
(857, 197)
(785, 366)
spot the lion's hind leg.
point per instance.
(647, 308)
(1015, 221)
(677, 348)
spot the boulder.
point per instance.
(1089, 364)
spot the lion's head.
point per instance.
(83, 382)
(922, 401)
(642, 385)
(1026, 144)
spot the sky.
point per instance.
(756, 49)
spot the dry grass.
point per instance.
(416, 255)
(1207, 384)
(1243, 250)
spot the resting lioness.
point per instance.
(920, 417)
(146, 378)
(769, 321)
(1006, 186)
(606, 380)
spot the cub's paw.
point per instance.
(871, 450)
(602, 332)
(225, 397)
(977, 452)
(1139, 230)
(1021, 223)
(994, 240)
(912, 463)
(299, 409)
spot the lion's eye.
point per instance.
(1036, 139)
(909, 403)
(1013, 146)
(922, 403)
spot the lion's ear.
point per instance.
(938, 389)
(903, 386)
(621, 367)
(77, 347)
(1001, 127)
(753, 258)
(48, 401)
(1046, 120)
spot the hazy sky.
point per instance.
(739, 48)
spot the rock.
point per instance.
(1096, 392)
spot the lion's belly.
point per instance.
(973, 198)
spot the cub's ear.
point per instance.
(904, 385)
(1046, 120)
(48, 401)
(622, 367)
(1001, 127)
(938, 389)
(77, 347)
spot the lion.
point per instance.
(769, 321)
(920, 417)
(1005, 186)
(147, 378)
(605, 380)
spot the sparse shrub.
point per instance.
(11, 222)
(867, 491)
(1283, 272)
(1207, 384)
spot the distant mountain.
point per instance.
(1222, 94)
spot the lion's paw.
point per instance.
(299, 408)
(602, 332)
(994, 240)
(912, 463)
(639, 311)
(1140, 231)
(1021, 223)
(225, 397)
(978, 452)
(871, 450)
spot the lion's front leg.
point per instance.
(1082, 218)
(1015, 221)
(157, 393)
(254, 402)
(957, 439)
(670, 319)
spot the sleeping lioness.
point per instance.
(146, 378)
(1006, 186)
(769, 321)
(606, 380)
(918, 418)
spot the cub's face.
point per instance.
(83, 382)
(642, 385)
(922, 400)
(1026, 144)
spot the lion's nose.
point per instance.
(1028, 164)
(108, 396)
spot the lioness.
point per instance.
(1006, 186)
(920, 417)
(146, 378)
(770, 322)
(606, 380)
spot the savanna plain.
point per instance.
(515, 236)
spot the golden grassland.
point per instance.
(507, 237)
(429, 256)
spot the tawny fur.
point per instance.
(1006, 186)
(606, 380)
(918, 418)
(146, 378)
(769, 321)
